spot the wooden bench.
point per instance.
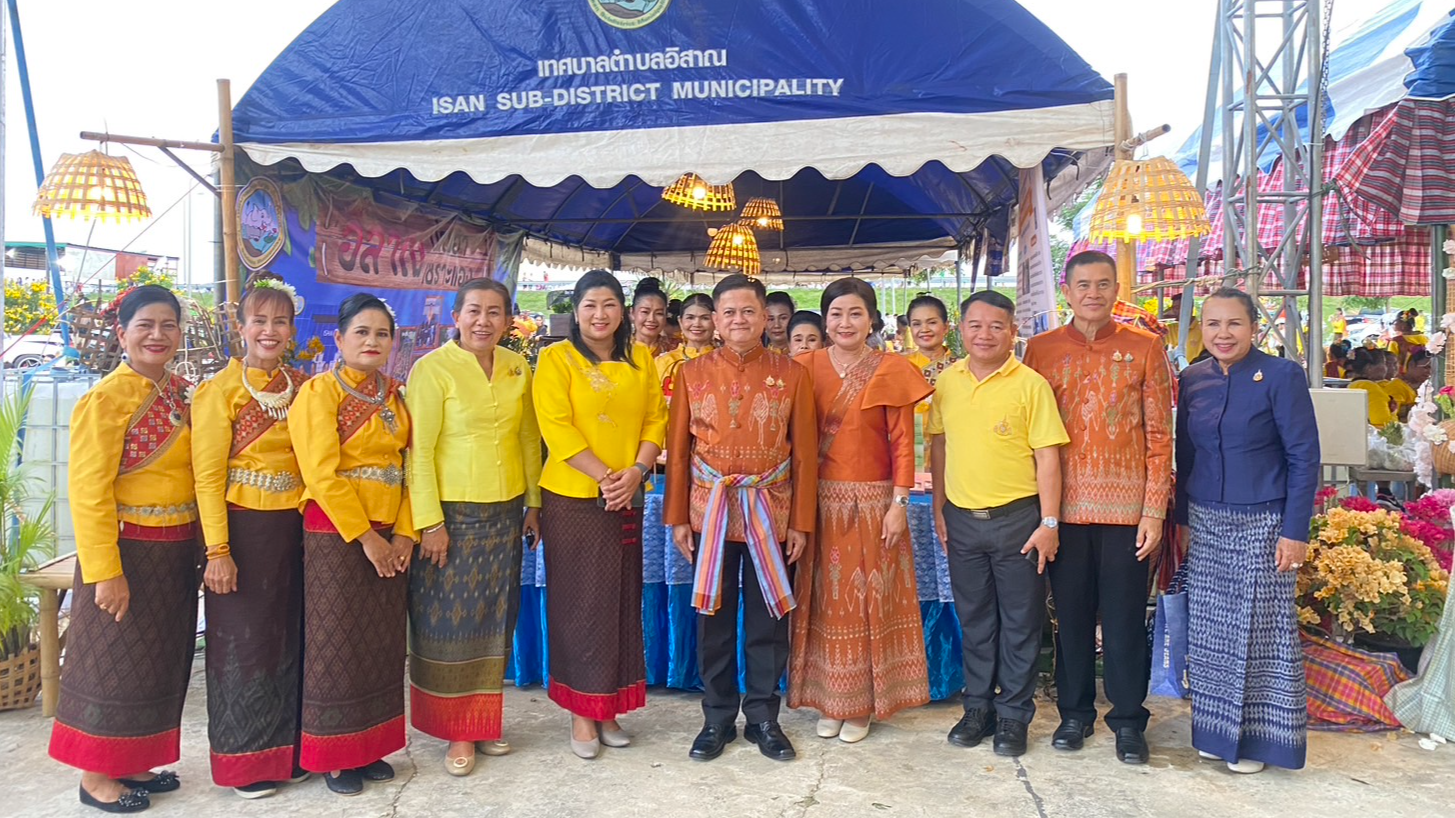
(53, 579)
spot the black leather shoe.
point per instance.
(972, 728)
(130, 801)
(1131, 746)
(377, 771)
(1010, 738)
(347, 782)
(1071, 735)
(164, 781)
(710, 742)
(771, 741)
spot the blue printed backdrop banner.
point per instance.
(329, 240)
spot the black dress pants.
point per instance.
(765, 647)
(1097, 571)
(1001, 603)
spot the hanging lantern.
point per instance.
(691, 192)
(734, 247)
(1148, 200)
(762, 213)
(92, 185)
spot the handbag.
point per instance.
(1169, 641)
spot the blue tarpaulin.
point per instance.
(871, 123)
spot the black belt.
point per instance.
(1000, 511)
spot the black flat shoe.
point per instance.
(164, 781)
(972, 728)
(771, 741)
(1010, 738)
(130, 801)
(347, 782)
(1071, 735)
(377, 771)
(257, 789)
(299, 775)
(1131, 746)
(710, 742)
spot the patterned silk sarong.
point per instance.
(762, 543)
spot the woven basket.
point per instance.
(20, 679)
(1443, 457)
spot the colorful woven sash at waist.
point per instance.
(762, 543)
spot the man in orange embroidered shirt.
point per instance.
(742, 484)
(1113, 385)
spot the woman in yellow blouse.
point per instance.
(697, 332)
(248, 488)
(604, 420)
(474, 470)
(134, 609)
(1366, 370)
(350, 429)
(929, 323)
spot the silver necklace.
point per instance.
(385, 413)
(274, 404)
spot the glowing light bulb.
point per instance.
(1134, 223)
(762, 221)
(737, 240)
(699, 193)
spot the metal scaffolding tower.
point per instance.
(1267, 78)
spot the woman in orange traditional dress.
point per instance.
(858, 640)
(248, 488)
(350, 429)
(134, 609)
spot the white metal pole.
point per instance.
(4, 54)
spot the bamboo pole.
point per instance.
(1122, 134)
(227, 169)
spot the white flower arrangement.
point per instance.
(389, 310)
(1427, 434)
(1449, 247)
(282, 287)
(1436, 344)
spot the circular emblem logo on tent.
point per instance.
(260, 223)
(629, 14)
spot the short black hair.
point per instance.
(482, 285)
(1239, 296)
(990, 297)
(146, 295)
(805, 317)
(1087, 257)
(931, 302)
(357, 303)
(696, 300)
(738, 281)
(781, 299)
(1361, 359)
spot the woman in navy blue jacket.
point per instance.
(1247, 470)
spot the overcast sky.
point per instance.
(147, 68)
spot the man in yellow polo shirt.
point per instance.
(995, 430)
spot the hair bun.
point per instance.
(651, 285)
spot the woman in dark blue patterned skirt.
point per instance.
(1247, 470)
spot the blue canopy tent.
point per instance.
(879, 129)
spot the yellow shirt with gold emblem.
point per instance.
(215, 409)
(157, 494)
(352, 502)
(476, 439)
(610, 408)
(992, 429)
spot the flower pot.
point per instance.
(1409, 655)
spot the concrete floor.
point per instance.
(905, 768)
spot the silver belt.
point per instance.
(276, 482)
(158, 511)
(388, 475)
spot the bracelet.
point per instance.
(216, 551)
(603, 477)
(432, 529)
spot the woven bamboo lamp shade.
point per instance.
(92, 185)
(1148, 200)
(763, 214)
(735, 248)
(691, 192)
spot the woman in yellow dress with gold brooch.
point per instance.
(248, 488)
(604, 421)
(350, 430)
(134, 609)
(474, 479)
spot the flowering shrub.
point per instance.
(1428, 520)
(1364, 571)
(29, 308)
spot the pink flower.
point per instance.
(1357, 503)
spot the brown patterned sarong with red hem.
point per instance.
(120, 710)
(254, 642)
(593, 606)
(353, 668)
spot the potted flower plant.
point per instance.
(27, 538)
(1367, 580)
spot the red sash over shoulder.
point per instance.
(354, 413)
(253, 421)
(156, 424)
